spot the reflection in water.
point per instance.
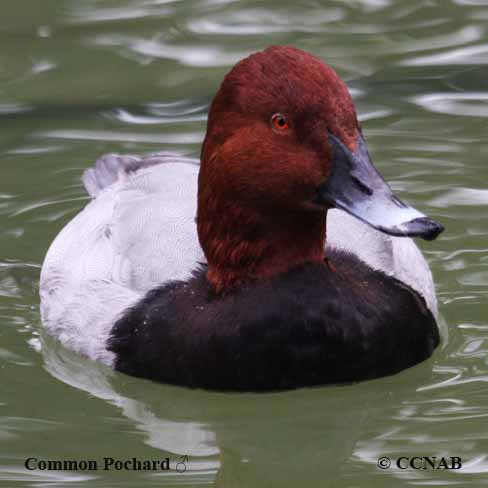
(255, 439)
(243, 439)
(42, 478)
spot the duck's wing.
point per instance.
(137, 233)
(152, 228)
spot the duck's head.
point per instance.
(284, 145)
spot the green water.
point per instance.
(83, 78)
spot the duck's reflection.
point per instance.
(234, 440)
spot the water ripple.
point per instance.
(14, 108)
(476, 55)
(42, 66)
(131, 118)
(474, 279)
(13, 473)
(461, 196)
(190, 55)
(455, 103)
(82, 14)
(468, 34)
(265, 21)
(88, 135)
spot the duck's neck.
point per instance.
(242, 245)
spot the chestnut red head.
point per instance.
(283, 145)
(268, 124)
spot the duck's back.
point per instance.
(139, 233)
(136, 233)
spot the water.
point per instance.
(79, 79)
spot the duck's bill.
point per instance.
(357, 187)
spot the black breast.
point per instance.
(306, 327)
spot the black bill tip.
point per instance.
(428, 229)
(422, 227)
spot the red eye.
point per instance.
(279, 123)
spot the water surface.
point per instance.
(79, 79)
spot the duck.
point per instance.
(280, 259)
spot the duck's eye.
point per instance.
(279, 123)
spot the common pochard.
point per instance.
(281, 259)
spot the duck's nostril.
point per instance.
(397, 201)
(362, 186)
